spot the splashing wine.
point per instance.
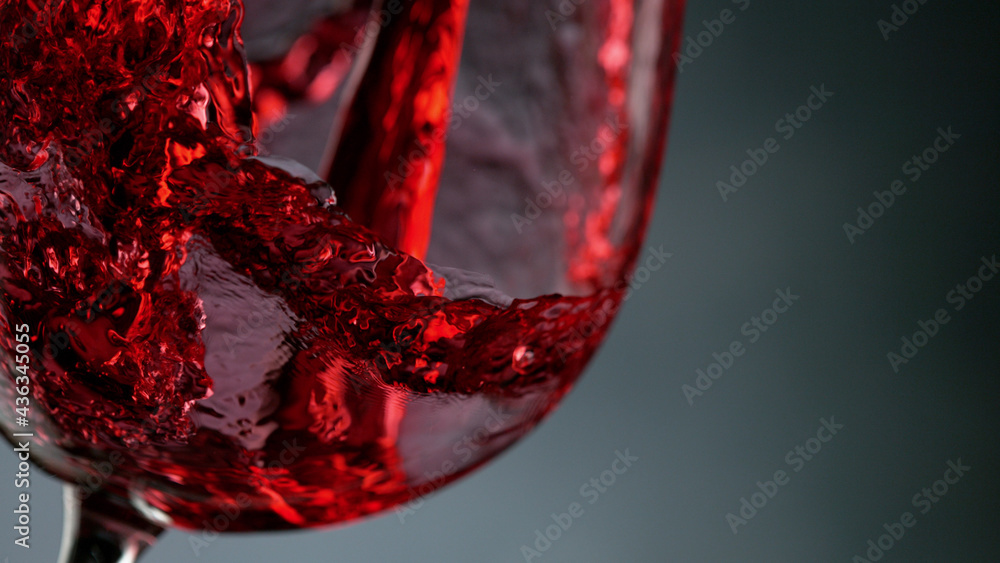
(223, 339)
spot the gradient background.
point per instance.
(825, 357)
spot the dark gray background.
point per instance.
(825, 357)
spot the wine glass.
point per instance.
(297, 264)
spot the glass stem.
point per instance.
(103, 528)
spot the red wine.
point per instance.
(231, 329)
